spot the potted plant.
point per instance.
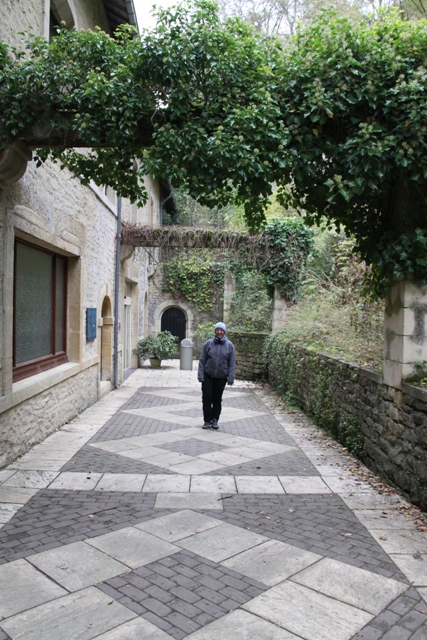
(159, 347)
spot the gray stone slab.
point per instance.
(171, 458)
(39, 463)
(139, 453)
(176, 526)
(198, 501)
(7, 511)
(75, 481)
(271, 562)
(156, 483)
(241, 625)
(137, 629)
(249, 452)
(16, 495)
(362, 589)
(374, 500)
(259, 484)
(400, 541)
(222, 542)
(121, 482)
(224, 458)
(344, 485)
(115, 446)
(270, 448)
(310, 615)
(79, 616)
(77, 565)
(195, 468)
(157, 439)
(414, 568)
(6, 474)
(384, 519)
(166, 416)
(213, 484)
(330, 470)
(304, 484)
(232, 441)
(133, 547)
(31, 479)
(23, 587)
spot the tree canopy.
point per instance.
(335, 117)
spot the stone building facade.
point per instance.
(58, 269)
(169, 310)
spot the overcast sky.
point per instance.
(143, 10)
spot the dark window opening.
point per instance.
(40, 298)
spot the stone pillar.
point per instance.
(404, 331)
(280, 310)
(229, 289)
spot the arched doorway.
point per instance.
(174, 320)
(106, 340)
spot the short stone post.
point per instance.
(280, 310)
(405, 337)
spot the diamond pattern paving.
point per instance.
(182, 593)
(184, 533)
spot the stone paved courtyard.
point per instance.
(133, 523)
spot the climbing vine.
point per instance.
(279, 252)
(197, 277)
(335, 117)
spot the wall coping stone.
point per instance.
(415, 392)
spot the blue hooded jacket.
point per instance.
(218, 358)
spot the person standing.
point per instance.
(217, 365)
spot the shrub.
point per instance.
(162, 346)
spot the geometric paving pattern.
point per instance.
(183, 592)
(158, 529)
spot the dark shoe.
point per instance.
(214, 424)
(207, 425)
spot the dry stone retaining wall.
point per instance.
(384, 426)
(250, 361)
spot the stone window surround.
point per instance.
(57, 350)
(12, 394)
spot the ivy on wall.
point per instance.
(279, 252)
(197, 277)
(305, 379)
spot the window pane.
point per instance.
(60, 305)
(33, 298)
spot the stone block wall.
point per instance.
(32, 421)
(250, 361)
(160, 298)
(383, 426)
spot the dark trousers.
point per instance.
(212, 390)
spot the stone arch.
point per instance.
(174, 319)
(106, 342)
(180, 305)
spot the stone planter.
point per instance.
(155, 363)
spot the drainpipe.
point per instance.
(116, 296)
